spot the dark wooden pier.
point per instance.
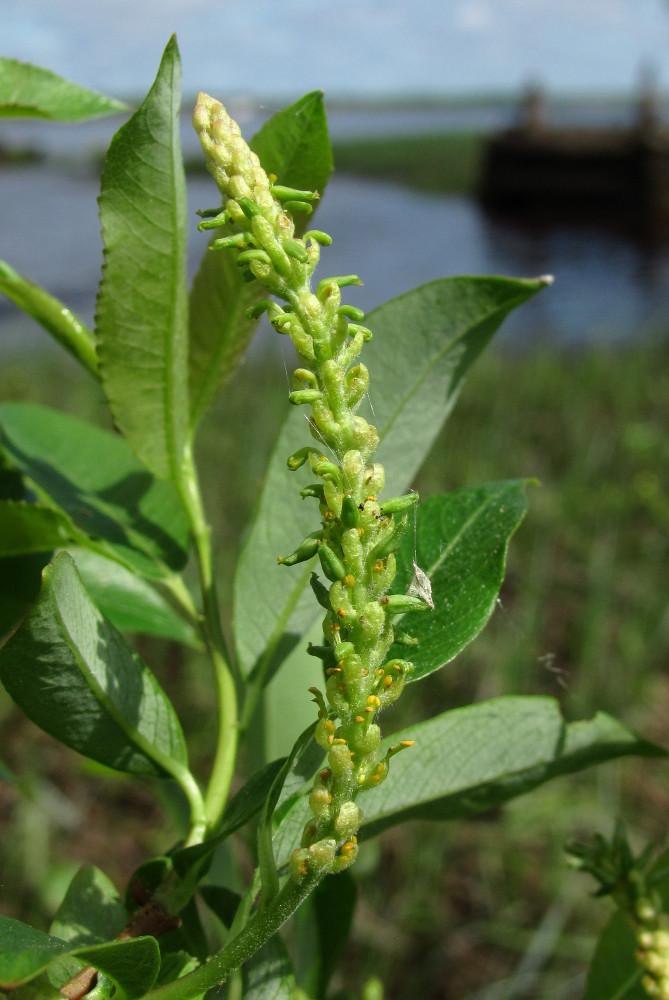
(617, 176)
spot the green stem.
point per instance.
(210, 624)
(259, 929)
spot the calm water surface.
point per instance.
(607, 286)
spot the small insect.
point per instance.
(420, 586)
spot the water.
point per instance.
(607, 287)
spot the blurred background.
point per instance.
(517, 137)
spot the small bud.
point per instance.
(339, 759)
(299, 206)
(348, 820)
(390, 542)
(321, 592)
(351, 312)
(333, 567)
(304, 551)
(287, 193)
(318, 236)
(350, 517)
(248, 256)
(324, 734)
(219, 219)
(347, 855)
(312, 490)
(321, 854)
(253, 312)
(396, 504)
(401, 604)
(298, 864)
(301, 396)
(298, 458)
(296, 250)
(404, 639)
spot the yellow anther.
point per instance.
(387, 680)
(378, 566)
(361, 531)
(407, 743)
(374, 700)
(359, 718)
(334, 627)
(333, 670)
(340, 740)
(328, 515)
(368, 709)
(379, 671)
(373, 499)
(348, 580)
(341, 612)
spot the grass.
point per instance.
(583, 617)
(449, 162)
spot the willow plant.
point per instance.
(374, 591)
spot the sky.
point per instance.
(345, 47)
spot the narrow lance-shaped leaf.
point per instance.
(472, 759)
(141, 321)
(111, 499)
(28, 91)
(424, 344)
(75, 676)
(294, 145)
(475, 758)
(52, 314)
(460, 544)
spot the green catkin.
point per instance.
(359, 534)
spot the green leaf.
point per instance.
(141, 322)
(130, 603)
(30, 527)
(90, 913)
(269, 974)
(461, 543)
(32, 92)
(24, 951)
(294, 145)
(75, 676)
(50, 313)
(424, 343)
(614, 973)
(322, 927)
(20, 581)
(472, 759)
(96, 480)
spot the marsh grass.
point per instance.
(448, 162)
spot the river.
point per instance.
(608, 288)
